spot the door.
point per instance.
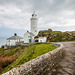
(29, 40)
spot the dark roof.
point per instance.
(14, 38)
(34, 14)
(31, 33)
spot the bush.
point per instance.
(5, 61)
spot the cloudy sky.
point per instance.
(55, 14)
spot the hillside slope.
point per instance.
(16, 56)
(57, 36)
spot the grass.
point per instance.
(57, 36)
(24, 54)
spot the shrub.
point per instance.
(5, 61)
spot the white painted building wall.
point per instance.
(27, 36)
(13, 42)
(34, 28)
(26, 39)
(42, 39)
(34, 24)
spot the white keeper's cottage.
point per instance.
(13, 40)
(29, 36)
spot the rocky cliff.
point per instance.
(56, 36)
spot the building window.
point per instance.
(9, 44)
(9, 41)
(19, 40)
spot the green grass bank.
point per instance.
(22, 54)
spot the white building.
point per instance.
(29, 36)
(13, 40)
(34, 24)
(42, 39)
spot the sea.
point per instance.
(2, 41)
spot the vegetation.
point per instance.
(14, 57)
(57, 36)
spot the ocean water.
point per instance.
(2, 41)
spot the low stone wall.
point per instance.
(39, 65)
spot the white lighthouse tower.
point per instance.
(29, 36)
(34, 24)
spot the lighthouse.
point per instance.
(29, 36)
(34, 24)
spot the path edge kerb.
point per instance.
(39, 65)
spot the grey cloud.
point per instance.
(58, 12)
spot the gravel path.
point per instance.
(67, 65)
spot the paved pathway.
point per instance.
(67, 65)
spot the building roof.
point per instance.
(15, 37)
(34, 14)
(31, 33)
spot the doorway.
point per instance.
(29, 40)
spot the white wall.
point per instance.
(26, 40)
(34, 27)
(34, 24)
(33, 39)
(13, 42)
(27, 36)
(42, 39)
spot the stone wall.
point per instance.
(39, 65)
